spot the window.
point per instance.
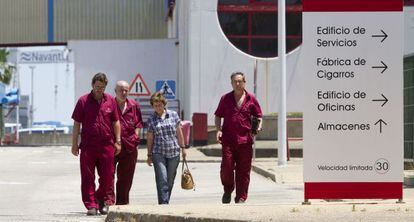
(409, 2)
(251, 25)
(408, 107)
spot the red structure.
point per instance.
(252, 25)
(200, 134)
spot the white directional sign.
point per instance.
(353, 118)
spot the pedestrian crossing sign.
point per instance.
(138, 87)
(166, 87)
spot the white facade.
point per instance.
(203, 62)
(207, 58)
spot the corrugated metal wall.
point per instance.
(26, 21)
(109, 19)
(23, 21)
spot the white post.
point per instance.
(31, 101)
(17, 122)
(172, 22)
(255, 95)
(281, 152)
(18, 105)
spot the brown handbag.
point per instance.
(187, 181)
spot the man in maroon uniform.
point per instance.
(97, 113)
(237, 109)
(130, 118)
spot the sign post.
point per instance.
(353, 117)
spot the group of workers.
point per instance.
(110, 128)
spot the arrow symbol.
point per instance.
(384, 67)
(385, 100)
(383, 36)
(380, 121)
(138, 87)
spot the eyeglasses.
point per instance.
(99, 87)
(237, 81)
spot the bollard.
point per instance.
(200, 134)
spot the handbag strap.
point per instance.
(186, 165)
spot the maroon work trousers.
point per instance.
(236, 164)
(125, 164)
(102, 158)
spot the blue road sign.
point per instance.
(166, 87)
(11, 98)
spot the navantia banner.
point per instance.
(50, 56)
(353, 118)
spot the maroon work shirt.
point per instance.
(237, 121)
(96, 118)
(130, 120)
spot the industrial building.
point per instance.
(194, 43)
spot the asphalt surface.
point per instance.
(43, 184)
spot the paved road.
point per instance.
(43, 184)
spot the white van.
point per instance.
(10, 128)
(45, 130)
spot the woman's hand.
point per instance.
(117, 149)
(150, 142)
(184, 152)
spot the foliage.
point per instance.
(6, 70)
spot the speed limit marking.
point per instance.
(382, 166)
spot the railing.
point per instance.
(291, 138)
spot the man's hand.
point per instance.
(117, 149)
(149, 160)
(218, 136)
(260, 128)
(75, 149)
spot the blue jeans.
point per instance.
(165, 171)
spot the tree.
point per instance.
(6, 73)
(6, 70)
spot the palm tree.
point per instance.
(6, 73)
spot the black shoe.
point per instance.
(226, 198)
(92, 212)
(103, 208)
